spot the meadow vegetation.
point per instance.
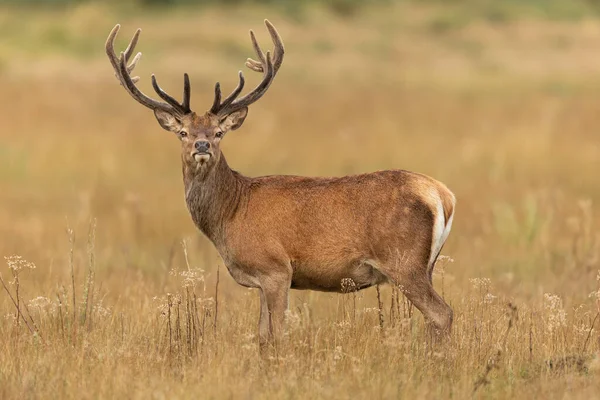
(109, 291)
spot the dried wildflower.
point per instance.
(338, 354)
(293, 320)
(39, 302)
(445, 259)
(596, 294)
(248, 346)
(557, 316)
(441, 263)
(192, 277)
(348, 285)
(10, 317)
(17, 264)
(482, 284)
(162, 304)
(489, 298)
(207, 302)
(345, 324)
(101, 311)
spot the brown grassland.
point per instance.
(128, 300)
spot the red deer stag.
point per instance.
(280, 232)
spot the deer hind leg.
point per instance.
(413, 279)
(437, 313)
(423, 295)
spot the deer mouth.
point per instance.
(201, 157)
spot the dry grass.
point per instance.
(122, 300)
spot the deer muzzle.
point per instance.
(201, 157)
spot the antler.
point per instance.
(123, 74)
(267, 65)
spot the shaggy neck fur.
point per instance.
(213, 197)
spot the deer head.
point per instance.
(200, 136)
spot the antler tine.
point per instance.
(258, 92)
(217, 101)
(257, 49)
(132, 66)
(110, 49)
(170, 99)
(122, 72)
(132, 89)
(217, 105)
(131, 47)
(236, 92)
(278, 50)
(267, 65)
(187, 90)
(110, 42)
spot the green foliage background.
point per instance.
(491, 10)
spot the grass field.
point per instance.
(128, 300)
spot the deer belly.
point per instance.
(344, 278)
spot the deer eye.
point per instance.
(182, 134)
(219, 134)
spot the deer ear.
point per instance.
(168, 121)
(234, 120)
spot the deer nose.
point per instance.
(202, 145)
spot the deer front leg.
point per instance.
(274, 294)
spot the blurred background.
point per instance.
(499, 99)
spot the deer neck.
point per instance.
(213, 197)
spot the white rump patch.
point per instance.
(441, 229)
